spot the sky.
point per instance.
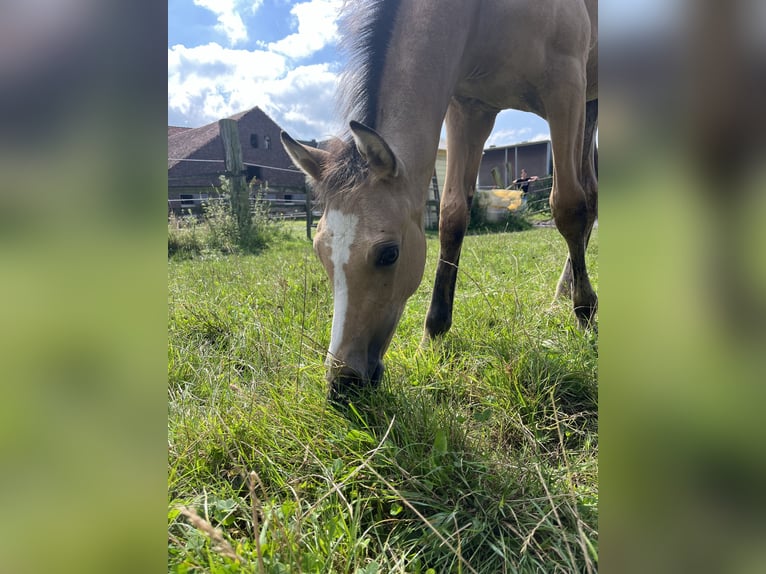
(227, 56)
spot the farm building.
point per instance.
(535, 157)
(196, 161)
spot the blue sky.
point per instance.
(226, 56)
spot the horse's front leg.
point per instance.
(469, 124)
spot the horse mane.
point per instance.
(366, 28)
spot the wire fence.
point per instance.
(245, 163)
(535, 201)
(193, 203)
(278, 208)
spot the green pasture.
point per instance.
(477, 454)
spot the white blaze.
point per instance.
(343, 229)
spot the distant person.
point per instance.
(523, 182)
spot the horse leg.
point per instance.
(589, 166)
(574, 194)
(469, 123)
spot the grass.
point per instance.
(478, 454)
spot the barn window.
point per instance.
(254, 140)
(187, 200)
(266, 142)
(253, 172)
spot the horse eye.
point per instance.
(387, 256)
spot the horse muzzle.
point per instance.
(347, 384)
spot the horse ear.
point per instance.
(375, 150)
(309, 159)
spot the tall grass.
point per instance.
(477, 454)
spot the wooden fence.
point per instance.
(294, 209)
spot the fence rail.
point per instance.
(295, 209)
(197, 203)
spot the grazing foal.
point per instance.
(413, 64)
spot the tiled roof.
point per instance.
(183, 144)
(204, 143)
(176, 129)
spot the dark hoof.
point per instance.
(437, 325)
(586, 316)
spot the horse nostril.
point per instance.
(344, 388)
(344, 375)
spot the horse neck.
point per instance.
(421, 71)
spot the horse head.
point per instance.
(371, 243)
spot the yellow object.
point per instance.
(497, 202)
(514, 197)
(511, 199)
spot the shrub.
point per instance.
(222, 232)
(219, 232)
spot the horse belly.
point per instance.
(499, 95)
(518, 49)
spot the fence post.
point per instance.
(240, 199)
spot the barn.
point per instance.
(535, 157)
(196, 162)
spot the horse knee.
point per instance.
(453, 218)
(571, 217)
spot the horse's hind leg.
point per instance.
(589, 166)
(469, 124)
(574, 193)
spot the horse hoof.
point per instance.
(427, 340)
(586, 315)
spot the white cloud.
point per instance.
(304, 102)
(515, 135)
(508, 136)
(206, 83)
(229, 21)
(317, 27)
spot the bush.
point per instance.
(222, 232)
(219, 232)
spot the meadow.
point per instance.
(477, 454)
